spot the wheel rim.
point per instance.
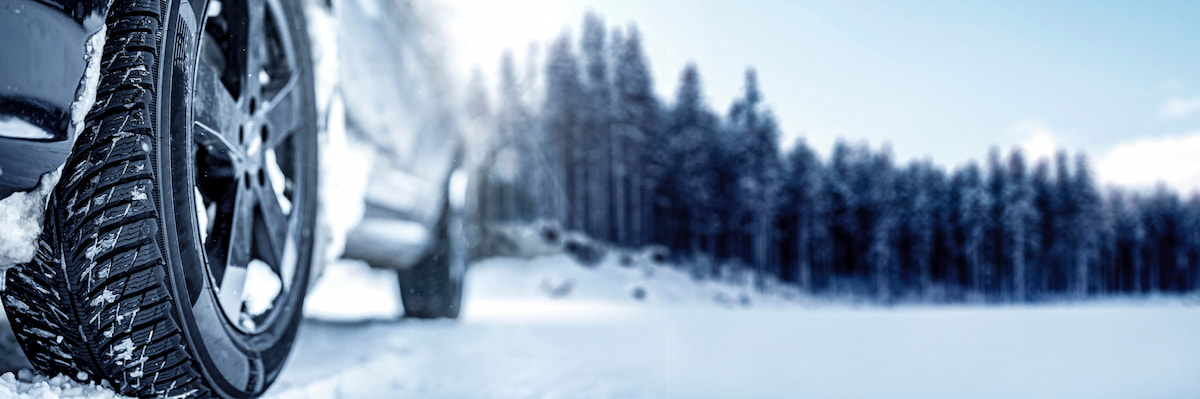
(246, 113)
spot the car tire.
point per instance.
(433, 288)
(160, 228)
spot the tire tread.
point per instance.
(96, 299)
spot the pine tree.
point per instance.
(595, 147)
(518, 130)
(1191, 226)
(1130, 237)
(693, 132)
(511, 115)
(1020, 224)
(758, 168)
(1045, 205)
(562, 122)
(955, 234)
(803, 211)
(1139, 248)
(916, 209)
(843, 201)
(1086, 225)
(996, 273)
(480, 127)
(973, 216)
(943, 263)
(618, 146)
(1063, 240)
(1161, 215)
(882, 230)
(1106, 282)
(636, 128)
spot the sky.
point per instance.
(935, 79)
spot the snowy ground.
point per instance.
(549, 328)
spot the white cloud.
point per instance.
(1145, 163)
(1180, 107)
(1037, 139)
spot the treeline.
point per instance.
(580, 138)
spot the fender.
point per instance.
(47, 45)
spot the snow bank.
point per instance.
(27, 385)
(21, 218)
(353, 291)
(633, 280)
(554, 288)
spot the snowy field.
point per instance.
(548, 328)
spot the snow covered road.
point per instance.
(713, 353)
(514, 341)
(682, 340)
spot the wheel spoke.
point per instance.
(238, 259)
(216, 115)
(273, 226)
(241, 230)
(254, 48)
(282, 115)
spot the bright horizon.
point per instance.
(940, 80)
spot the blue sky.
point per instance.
(939, 79)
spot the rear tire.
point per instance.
(124, 288)
(433, 288)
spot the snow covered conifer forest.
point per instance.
(578, 137)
